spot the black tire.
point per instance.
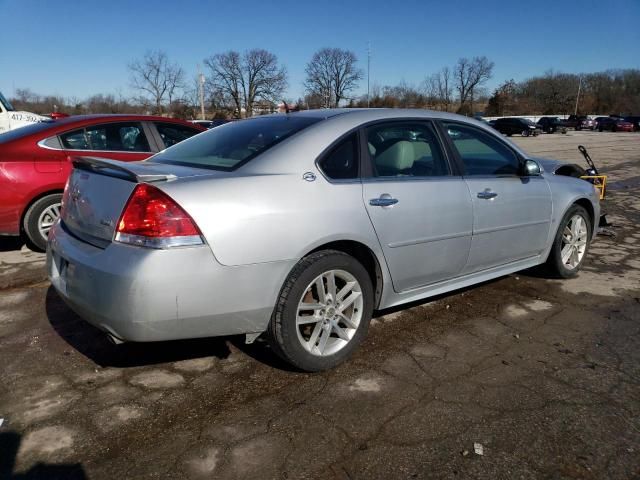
(525, 133)
(600, 128)
(578, 128)
(614, 129)
(282, 333)
(32, 218)
(554, 265)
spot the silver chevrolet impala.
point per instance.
(297, 226)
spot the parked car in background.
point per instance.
(551, 125)
(10, 118)
(35, 161)
(300, 225)
(635, 120)
(614, 124)
(213, 123)
(578, 122)
(203, 123)
(516, 126)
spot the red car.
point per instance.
(35, 161)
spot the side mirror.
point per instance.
(531, 168)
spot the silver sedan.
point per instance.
(298, 226)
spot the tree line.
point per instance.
(243, 84)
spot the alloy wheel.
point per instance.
(574, 242)
(47, 218)
(329, 312)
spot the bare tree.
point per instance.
(156, 79)
(469, 75)
(439, 89)
(331, 75)
(244, 80)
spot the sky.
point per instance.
(80, 48)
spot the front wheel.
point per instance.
(570, 243)
(40, 218)
(323, 311)
(525, 133)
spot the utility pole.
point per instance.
(201, 91)
(368, 70)
(578, 97)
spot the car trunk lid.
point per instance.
(98, 190)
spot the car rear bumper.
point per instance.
(139, 294)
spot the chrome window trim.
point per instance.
(41, 144)
(150, 152)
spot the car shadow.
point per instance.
(95, 345)
(10, 244)
(9, 446)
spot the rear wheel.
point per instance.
(570, 243)
(323, 311)
(40, 218)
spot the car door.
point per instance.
(125, 141)
(420, 210)
(511, 212)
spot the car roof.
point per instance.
(73, 119)
(377, 113)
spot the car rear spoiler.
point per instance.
(115, 168)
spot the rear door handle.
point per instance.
(385, 200)
(487, 194)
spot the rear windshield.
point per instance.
(24, 131)
(232, 145)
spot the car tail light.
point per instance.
(151, 218)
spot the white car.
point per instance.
(10, 119)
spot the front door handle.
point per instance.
(487, 194)
(385, 200)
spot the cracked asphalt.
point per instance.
(544, 374)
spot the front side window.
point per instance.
(405, 150)
(113, 137)
(482, 153)
(342, 160)
(229, 146)
(172, 133)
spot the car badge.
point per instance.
(309, 176)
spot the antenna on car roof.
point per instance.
(286, 107)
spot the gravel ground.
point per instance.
(544, 375)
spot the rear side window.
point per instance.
(342, 160)
(172, 133)
(405, 150)
(481, 153)
(113, 137)
(229, 146)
